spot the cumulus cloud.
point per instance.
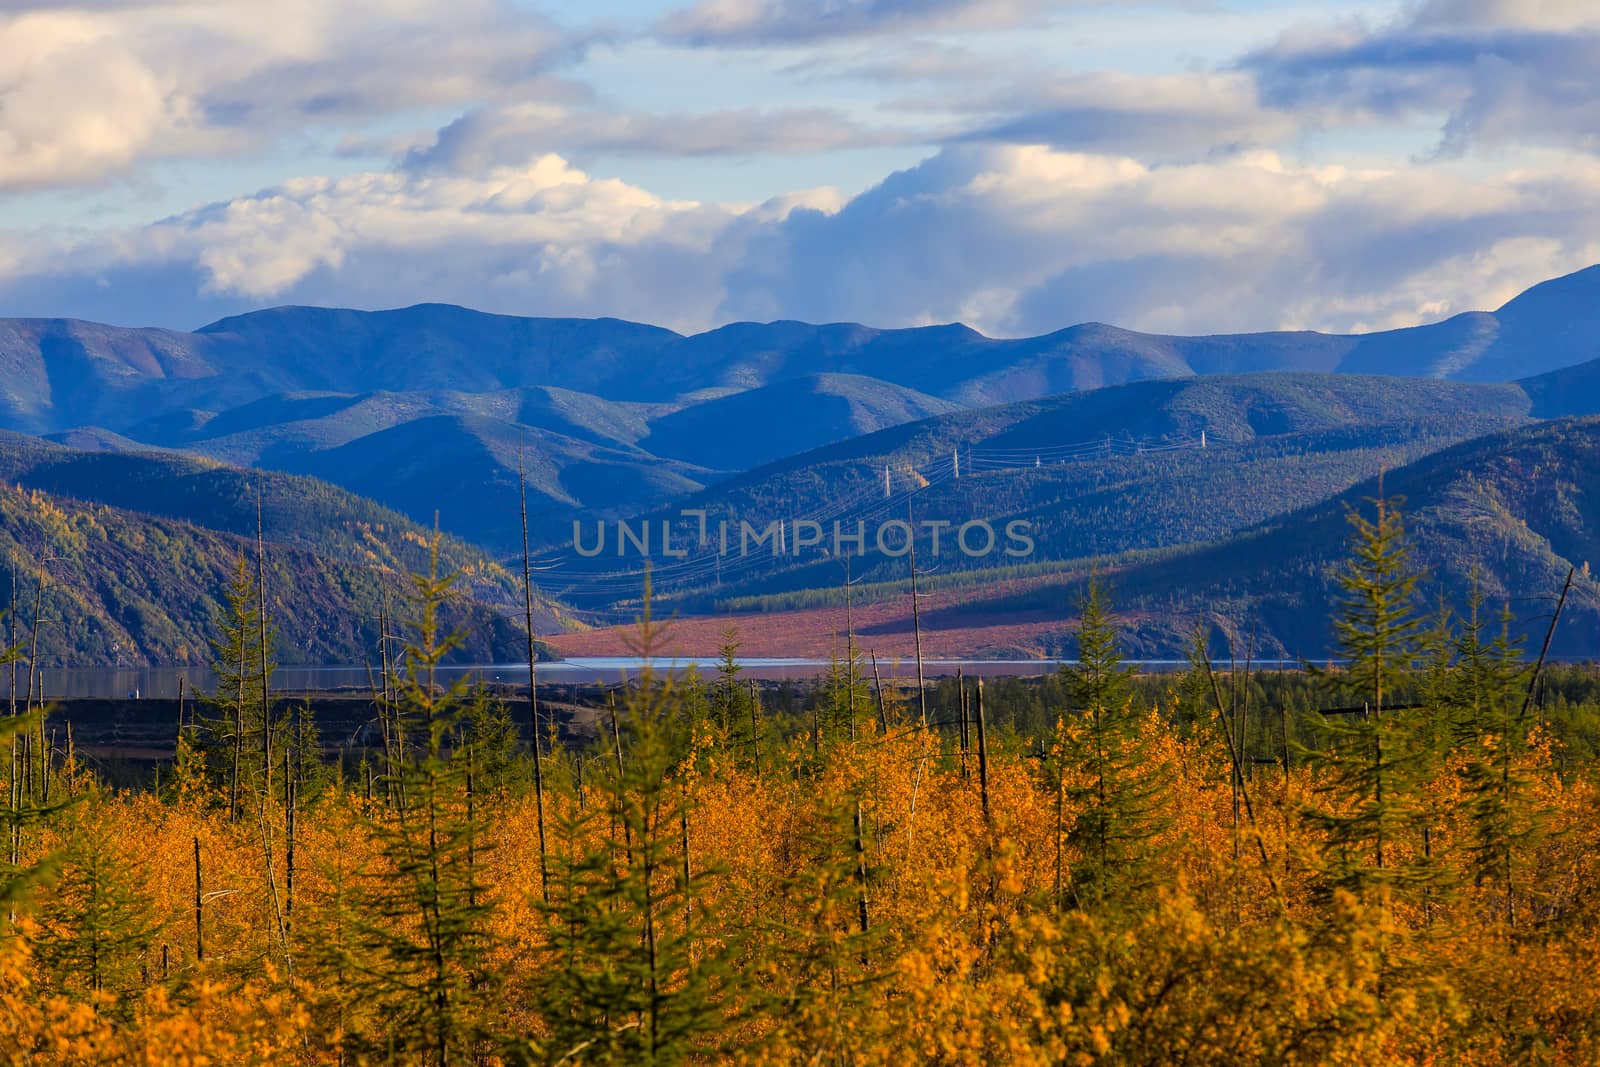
(1500, 72)
(543, 237)
(750, 22)
(90, 90)
(1025, 240)
(1010, 239)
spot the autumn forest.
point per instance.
(1390, 858)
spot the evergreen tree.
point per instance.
(421, 928)
(1485, 687)
(1106, 770)
(332, 956)
(729, 700)
(1436, 653)
(846, 701)
(1194, 700)
(1099, 678)
(1378, 628)
(1490, 739)
(95, 927)
(1371, 768)
(827, 962)
(491, 730)
(230, 740)
(633, 973)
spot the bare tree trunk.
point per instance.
(616, 741)
(849, 649)
(916, 617)
(288, 856)
(33, 670)
(683, 832)
(238, 734)
(266, 697)
(861, 879)
(199, 907)
(1250, 811)
(533, 683)
(877, 685)
(755, 727)
(983, 756)
(961, 704)
(11, 643)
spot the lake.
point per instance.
(117, 682)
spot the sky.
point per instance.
(1189, 166)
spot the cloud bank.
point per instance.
(1010, 239)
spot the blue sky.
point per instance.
(1016, 164)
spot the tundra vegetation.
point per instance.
(1389, 861)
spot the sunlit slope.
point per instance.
(1518, 509)
(1098, 473)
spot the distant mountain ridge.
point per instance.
(60, 374)
(435, 407)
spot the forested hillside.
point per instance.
(1386, 864)
(1511, 513)
(111, 586)
(1091, 474)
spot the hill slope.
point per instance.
(1520, 506)
(124, 587)
(294, 510)
(146, 541)
(767, 423)
(1097, 473)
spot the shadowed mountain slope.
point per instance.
(145, 543)
(1519, 507)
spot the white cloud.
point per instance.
(543, 237)
(1500, 72)
(88, 91)
(1012, 239)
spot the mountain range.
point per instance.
(613, 416)
(1117, 449)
